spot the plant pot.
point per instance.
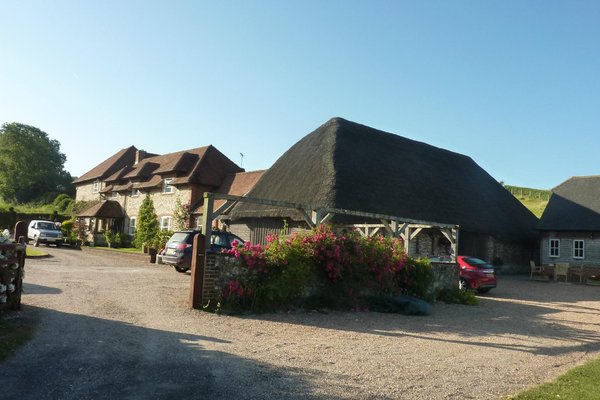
(152, 252)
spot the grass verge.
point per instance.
(31, 252)
(13, 334)
(580, 383)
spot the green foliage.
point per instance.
(457, 296)
(535, 200)
(77, 206)
(147, 223)
(160, 239)
(181, 215)
(321, 269)
(31, 165)
(109, 236)
(13, 334)
(66, 227)
(580, 383)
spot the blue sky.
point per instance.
(513, 84)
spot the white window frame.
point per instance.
(199, 222)
(96, 186)
(168, 225)
(577, 249)
(135, 192)
(114, 195)
(132, 225)
(557, 248)
(167, 187)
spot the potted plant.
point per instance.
(593, 280)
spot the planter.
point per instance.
(152, 252)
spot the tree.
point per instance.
(147, 223)
(181, 215)
(31, 165)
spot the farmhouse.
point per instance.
(345, 165)
(116, 187)
(570, 226)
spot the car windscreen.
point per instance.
(49, 226)
(476, 262)
(180, 237)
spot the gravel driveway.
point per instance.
(112, 327)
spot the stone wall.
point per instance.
(84, 192)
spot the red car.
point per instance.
(475, 274)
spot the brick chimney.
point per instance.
(139, 156)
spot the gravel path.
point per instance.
(112, 327)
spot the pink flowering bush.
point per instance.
(320, 268)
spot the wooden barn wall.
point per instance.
(255, 230)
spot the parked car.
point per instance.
(178, 250)
(47, 232)
(476, 274)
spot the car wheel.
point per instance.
(58, 244)
(180, 269)
(463, 284)
(485, 290)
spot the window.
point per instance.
(199, 223)
(165, 223)
(167, 188)
(135, 192)
(554, 247)
(96, 186)
(578, 249)
(114, 195)
(132, 222)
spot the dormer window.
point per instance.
(167, 188)
(114, 195)
(96, 186)
(135, 192)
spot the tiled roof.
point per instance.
(155, 181)
(104, 209)
(110, 166)
(234, 184)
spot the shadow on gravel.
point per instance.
(518, 316)
(79, 357)
(30, 288)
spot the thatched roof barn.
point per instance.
(343, 164)
(573, 206)
(570, 225)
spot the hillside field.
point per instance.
(534, 199)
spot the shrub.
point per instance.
(66, 227)
(160, 239)
(319, 268)
(457, 296)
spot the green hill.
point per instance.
(534, 199)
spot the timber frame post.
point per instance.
(405, 228)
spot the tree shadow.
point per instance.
(81, 357)
(31, 288)
(513, 317)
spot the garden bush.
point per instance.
(319, 268)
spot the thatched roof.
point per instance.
(103, 209)
(574, 206)
(346, 165)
